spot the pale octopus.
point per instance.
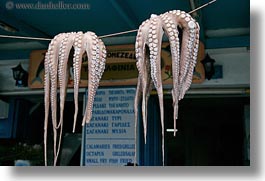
(148, 61)
(56, 67)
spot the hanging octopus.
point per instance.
(56, 67)
(148, 61)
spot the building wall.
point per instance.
(236, 67)
(235, 63)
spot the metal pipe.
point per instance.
(201, 91)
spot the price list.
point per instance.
(109, 137)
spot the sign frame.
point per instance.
(120, 67)
(84, 138)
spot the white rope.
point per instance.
(25, 37)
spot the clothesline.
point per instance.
(103, 36)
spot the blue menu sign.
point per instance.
(109, 140)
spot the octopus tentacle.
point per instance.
(144, 75)
(96, 52)
(91, 54)
(88, 49)
(188, 24)
(139, 93)
(183, 62)
(79, 46)
(53, 64)
(137, 98)
(150, 34)
(46, 101)
(56, 59)
(193, 57)
(64, 52)
(170, 26)
(142, 63)
(183, 67)
(155, 43)
(147, 87)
